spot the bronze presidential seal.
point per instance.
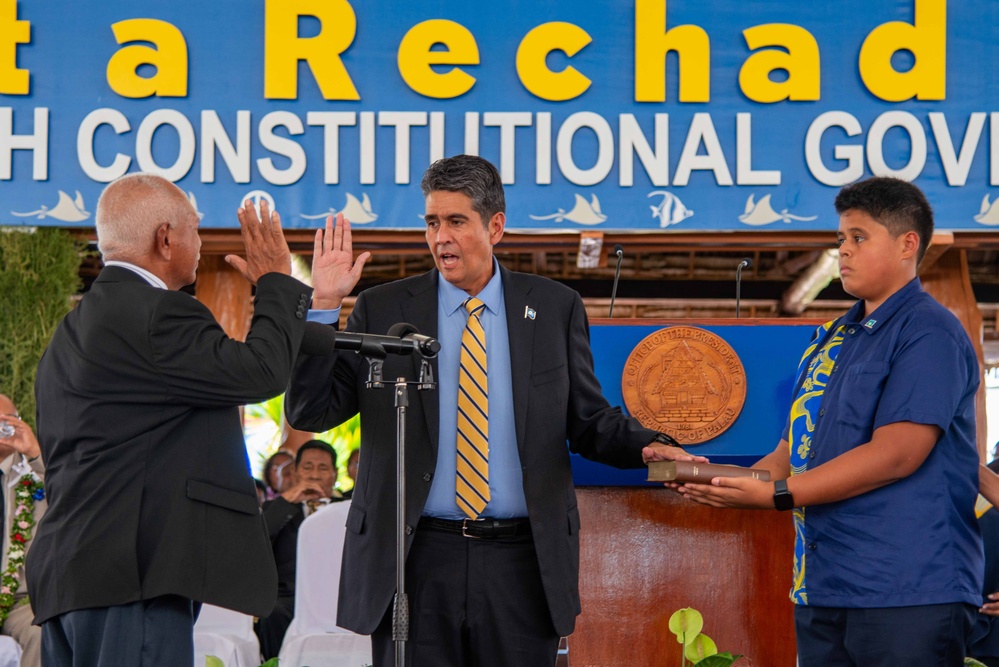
(685, 381)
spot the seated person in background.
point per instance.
(19, 457)
(315, 471)
(261, 491)
(277, 473)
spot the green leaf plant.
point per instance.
(699, 650)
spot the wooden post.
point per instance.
(226, 293)
(949, 282)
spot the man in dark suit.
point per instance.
(492, 579)
(315, 475)
(152, 507)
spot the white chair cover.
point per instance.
(10, 652)
(227, 635)
(313, 639)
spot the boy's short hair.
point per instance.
(898, 205)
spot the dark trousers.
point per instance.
(272, 629)
(928, 636)
(148, 633)
(473, 603)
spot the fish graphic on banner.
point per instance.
(66, 210)
(583, 212)
(354, 210)
(762, 213)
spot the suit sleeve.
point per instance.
(277, 514)
(596, 429)
(202, 366)
(323, 389)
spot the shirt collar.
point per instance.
(492, 294)
(885, 311)
(7, 464)
(151, 278)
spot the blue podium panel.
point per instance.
(769, 354)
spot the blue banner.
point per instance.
(641, 115)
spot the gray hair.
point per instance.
(472, 176)
(131, 209)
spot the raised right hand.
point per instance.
(266, 249)
(335, 272)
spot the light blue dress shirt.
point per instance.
(506, 479)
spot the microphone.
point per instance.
(746, 263)
(619, 251)
(402, 339)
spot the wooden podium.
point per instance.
(644, 553)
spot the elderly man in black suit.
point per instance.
(152, 508)
(492, 523)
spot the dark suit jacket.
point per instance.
(146, 469)
(556, 397)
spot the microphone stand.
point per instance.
(375, 355)
(744, 264)
(619, 251)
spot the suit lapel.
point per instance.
(520, 330)
(420, 310)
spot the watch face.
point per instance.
(783, 500)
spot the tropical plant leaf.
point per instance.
(686, 623)
(718, 660)
(699, 647)
(273, 662)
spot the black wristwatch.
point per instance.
(783, 500)
(663, 439)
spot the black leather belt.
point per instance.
(479, 528)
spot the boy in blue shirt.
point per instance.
(878, 460)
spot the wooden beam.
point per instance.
(939, 244)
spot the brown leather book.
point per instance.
(702, 473)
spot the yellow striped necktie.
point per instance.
(472, 483)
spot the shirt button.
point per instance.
(811, 455)
(822, 412)
(811, 546)
(852, 330)
(409, 529)
(427, 477)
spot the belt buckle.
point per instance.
(464, 530)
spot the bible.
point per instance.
(702, 473)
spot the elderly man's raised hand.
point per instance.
(266, 248)
(335, 272)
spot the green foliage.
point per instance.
(698, 648)
(344, 439)
(685, 623)
(39, 274)
(212, 661)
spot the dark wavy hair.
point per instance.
(474, 177)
